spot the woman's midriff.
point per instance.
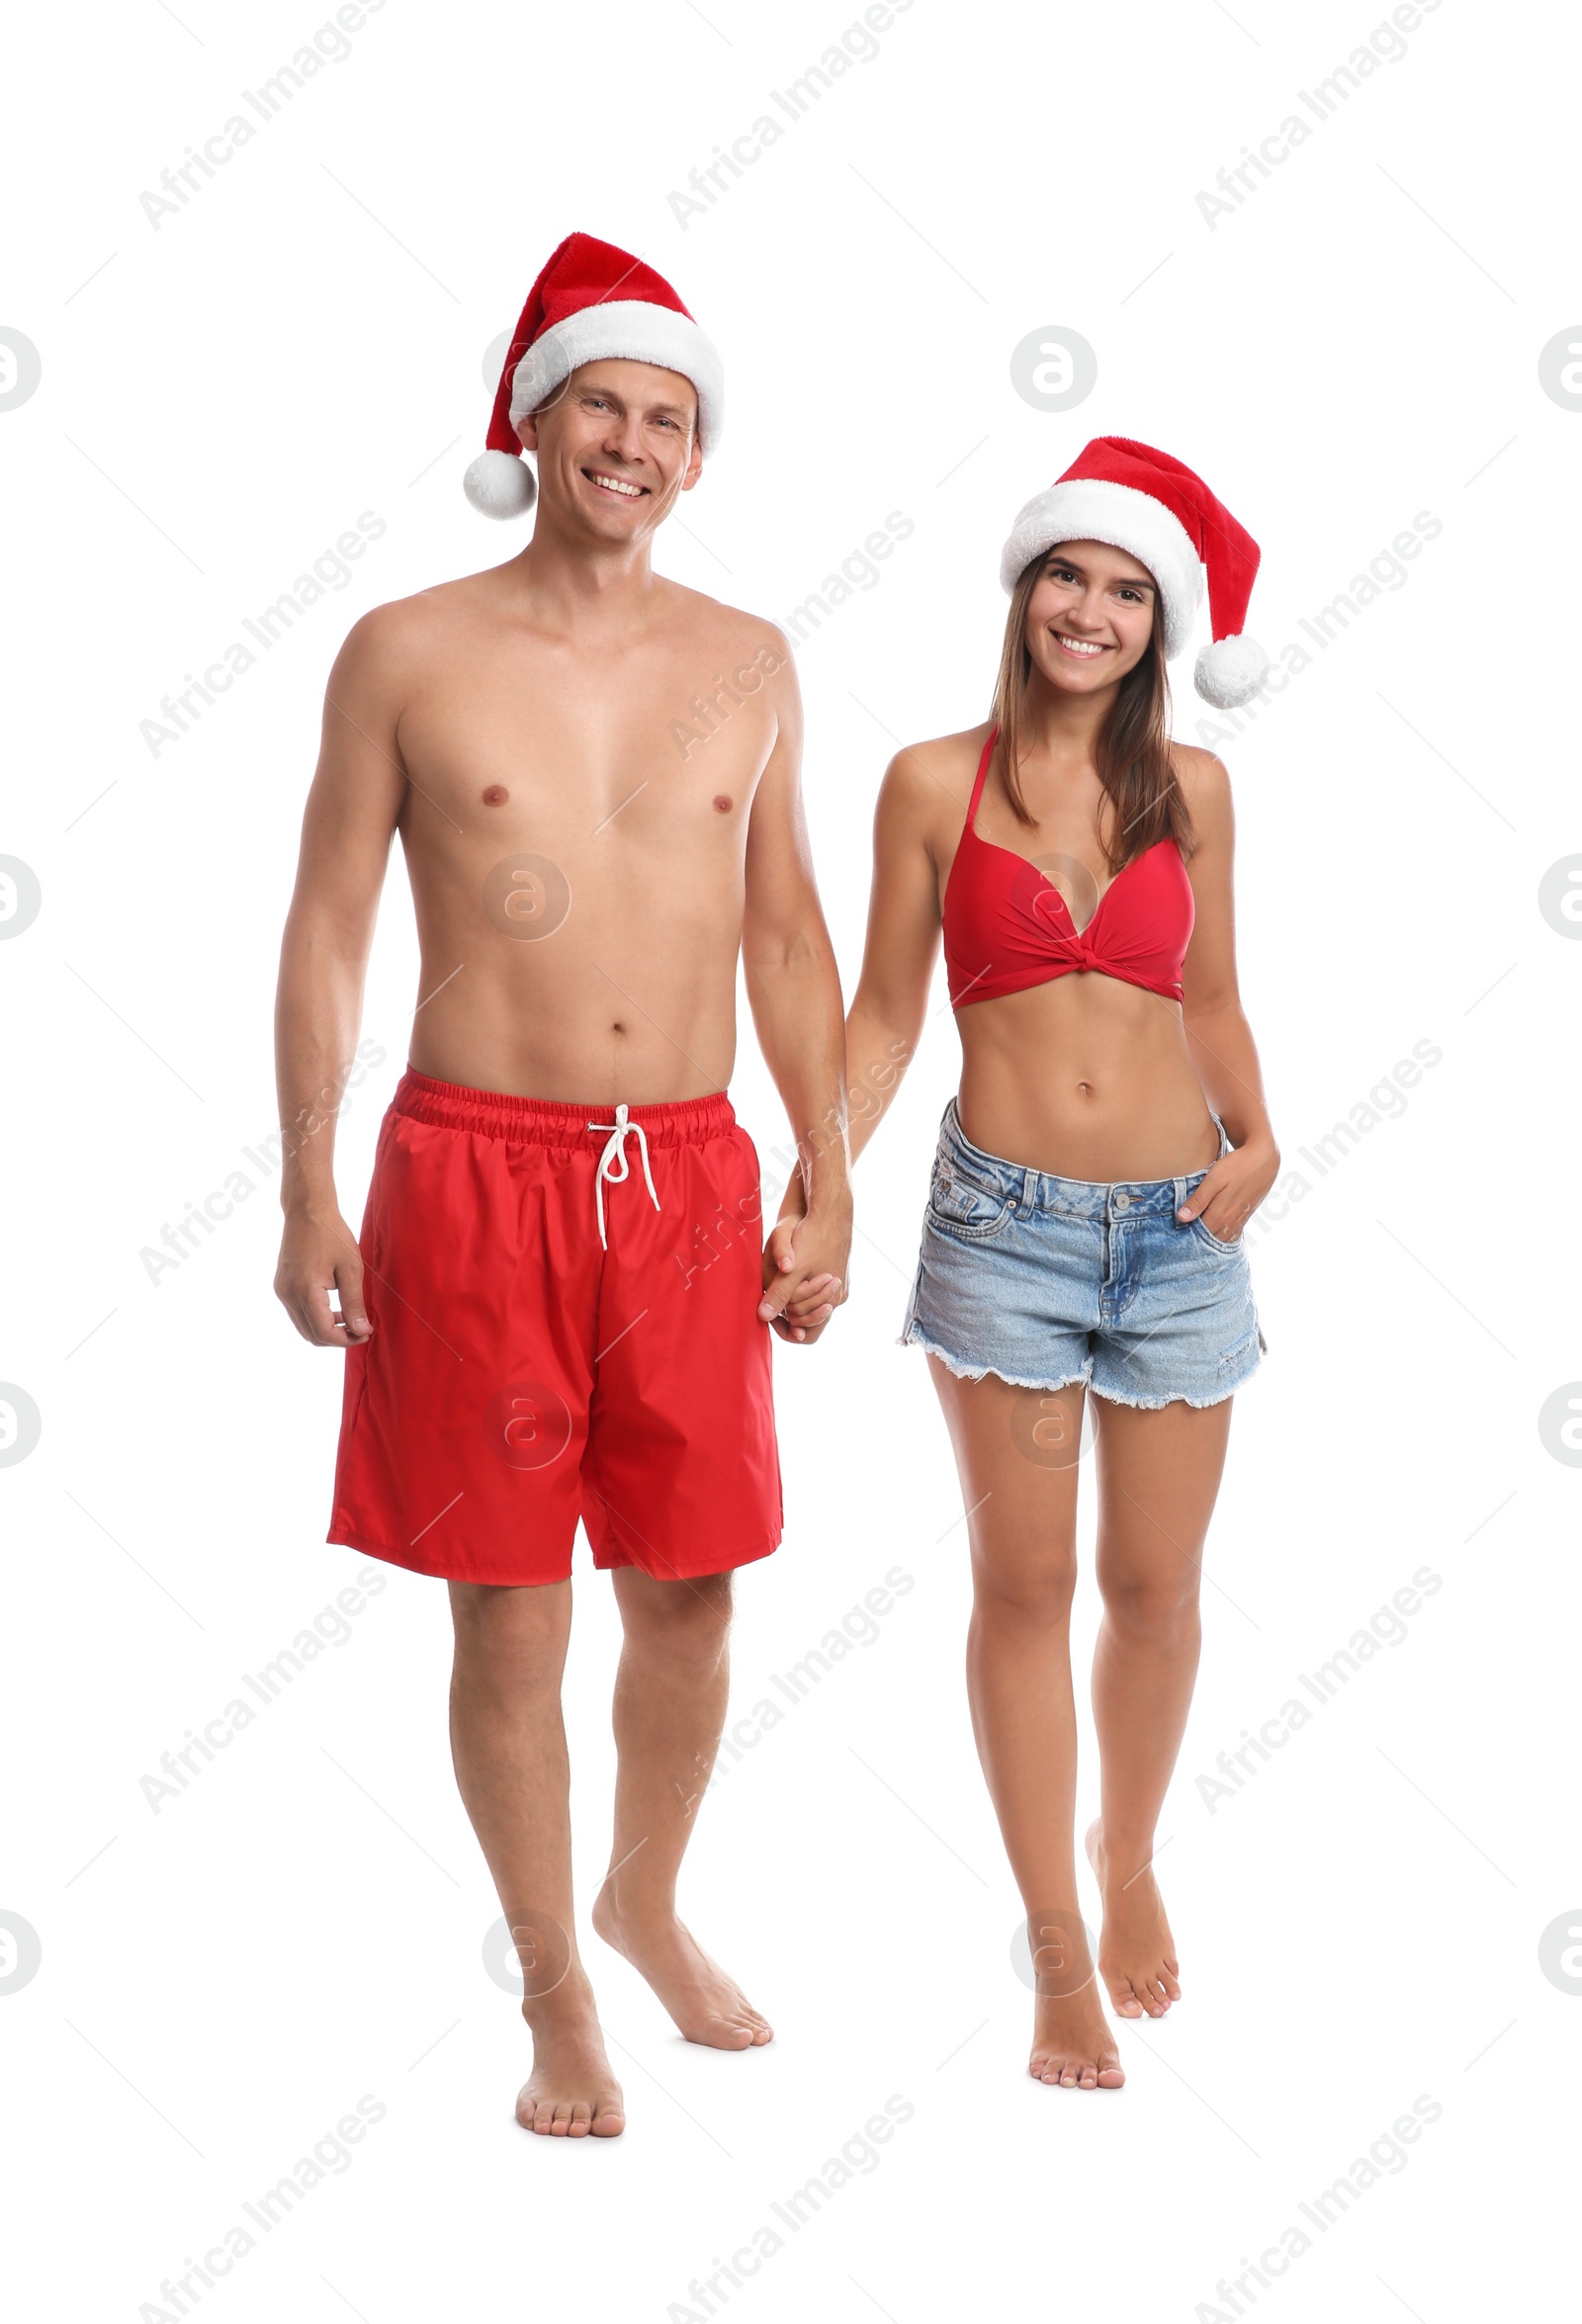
(1086, 1078)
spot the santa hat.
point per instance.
(1141, 500)
(590, 301)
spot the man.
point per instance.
(559, 1308)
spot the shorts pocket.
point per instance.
(1234, 1249)
(964, 1207)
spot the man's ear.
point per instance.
(694, 466)
(527, 430)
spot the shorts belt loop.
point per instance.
(1030, 1192)
(614, 1165)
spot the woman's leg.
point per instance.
(1016, 1452)
(1158, 1474)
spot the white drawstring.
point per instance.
(613, 1163)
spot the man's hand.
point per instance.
(318, 1254)
(804, 1270)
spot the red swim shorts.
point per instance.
(565, 1310)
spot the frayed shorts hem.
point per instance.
(959, 1369)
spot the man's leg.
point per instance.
(669, 1707)
(509, 1745)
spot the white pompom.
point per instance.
(1231, 672)
(497, 483)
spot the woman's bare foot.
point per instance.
(571, 2092)
(1072, 2043)
(1136, 1952)
(708, 2005)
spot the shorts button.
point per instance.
(1123, 1202)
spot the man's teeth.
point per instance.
(1074, 645)
(614, 484)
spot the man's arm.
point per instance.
(347, 827)
(794, 991)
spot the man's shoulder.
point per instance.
(729, 629)
(404, 625)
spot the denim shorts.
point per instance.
(1048, 1281)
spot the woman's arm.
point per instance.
(886, 1018)
(1218, 1035)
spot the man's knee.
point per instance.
(525, 1626)
(686, 1618)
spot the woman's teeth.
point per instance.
(1074, 646)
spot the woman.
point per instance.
(1094, 1176)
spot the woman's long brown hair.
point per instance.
(1133, 750)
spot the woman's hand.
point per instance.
(816, 1291)
(1233, 1189)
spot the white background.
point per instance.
(1356, 342)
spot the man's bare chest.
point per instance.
(513, 750)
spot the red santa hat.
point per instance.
(591, 301)
(1141, 500)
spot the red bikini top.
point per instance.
(1006, 926)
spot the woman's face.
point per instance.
(1090, 616)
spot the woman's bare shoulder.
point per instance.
(1204, 778)
(925, 779)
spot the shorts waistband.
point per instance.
(1085, 1198)
(542, 1121)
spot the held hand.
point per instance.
(1233, 1189)
(318, 1256)
(804, 1264)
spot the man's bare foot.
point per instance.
(1136, 1952)
(571, 2092)
(708, 2005)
